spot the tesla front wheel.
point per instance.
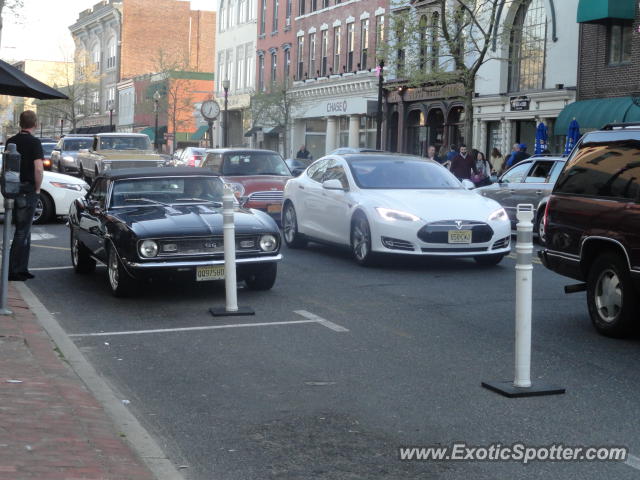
(361, 241)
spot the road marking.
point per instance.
(49, 246)
(333, 326)
(633, 461)
(51, 268)
(189, 329)
(42, 236)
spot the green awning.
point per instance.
(151, 132)
(598, 11)
(594, 114)
(199, 134)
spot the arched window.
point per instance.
(95, 57)
(527, 47)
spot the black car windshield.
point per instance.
(125, 143)
(75, 144)
(254, 163)
(399, 173)
(166, 190)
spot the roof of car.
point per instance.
(122, 173)
(121, 134)
(380, 156)
(225, 150)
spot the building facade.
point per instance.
(235, 59)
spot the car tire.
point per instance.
(611, 296)
(121, 283)
(82, 175)
(542, 239)
(263, 279)
(489, 260)
(61, 168)
(80, 256)
(361, 241)
(292, 237)
(44, 209)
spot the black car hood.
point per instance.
(188, 220)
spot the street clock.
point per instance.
(210, 109)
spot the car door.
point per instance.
(333, 216)
(508, 188)
(310, 208)
(91, 231)
(536, 183)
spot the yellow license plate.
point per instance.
(274, 208)
(209, 272)
(459, 236)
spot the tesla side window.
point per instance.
(316, 171)
(396, 173)
(337, 172)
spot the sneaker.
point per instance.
(27, 275)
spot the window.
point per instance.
(301, 7)
(325, 3)
(312, 54)
(95, 58)
(423, 31)
(434, 42)
(95, 102)
(274, 22)
(229, 68)
(379, 31)
(220, 69)
(336, 171)
(231, 18)
(274, 67)
(261, 73)
(364, 43)
(110, 104)
(517, 173)
(287, 21)
(399, 37)
(317, 170)
(620, 43)
(300, 56)
(111, 54)
(263, 17)
(250, 66)
(527, 47)
(99, 192)
(324, 46)
(223, 12)
(540, 172)
(350, 40)
(286, 65)
(242, 11)
(314, 5)
(239, 68)
(337, 46)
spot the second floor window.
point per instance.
(337, 46)
(350, 41)
(263, 17)
(300, 57)
(364, 43)
(261, 73)
(274, 67)
(287, 14)
(527, 47)
(312, 54)
(286, 65)
(301, 7)
(324, 46)
(274, 23)
(95, 58)
(620, 43)
(111, 54)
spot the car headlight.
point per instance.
(498, 215)
(268, 243)
(148, 249)
(392, 215)
(237, 188)
(68, 158)
(106, 166)
(71, 186)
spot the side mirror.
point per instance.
(332, 184)
(468, 184)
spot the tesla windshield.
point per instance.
(395, 173)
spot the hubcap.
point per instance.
(39, 208)
(289, 224)
(360, 240)
(608, 295)
(113, 270)
(541, 232)
(74, 251)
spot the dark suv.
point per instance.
(592, 226)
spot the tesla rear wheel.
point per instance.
(292, 237)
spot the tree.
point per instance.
(444, 42)
(14, 6)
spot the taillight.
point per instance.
(46, 163)
(191, 162)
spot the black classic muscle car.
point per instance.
(158, 223)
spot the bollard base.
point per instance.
(223, 312)
(535, 390)
(5, 311)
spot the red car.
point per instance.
(257, 176)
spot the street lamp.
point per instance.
(110, 107)
(225, 86)
(379, 112)
(156, 99)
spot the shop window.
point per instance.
(620, 36)
(527, 47)
(367, 132)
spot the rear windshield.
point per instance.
(604, 165)
(75, 144)
(401, 173)
(254, 163)
(125, 143)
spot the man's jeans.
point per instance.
(24, 208)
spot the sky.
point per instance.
(41, 32)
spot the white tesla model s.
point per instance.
(395, 204)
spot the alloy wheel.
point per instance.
(113, 270)
(38, 211)
(608, 295)
(361, 239)
(75, 247)
(289, 224)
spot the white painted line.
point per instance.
(42, 236)
(189, 329)
(633, 461)
(333, 326)
(133, 432)
(52, 268)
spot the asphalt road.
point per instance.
(311, 400)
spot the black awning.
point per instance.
(252, 131)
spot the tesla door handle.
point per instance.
(300, 187)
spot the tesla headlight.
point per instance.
(148, 249)
(268, 243)
(69, 186)
(498, 215)
(392, 215)
(237, 188)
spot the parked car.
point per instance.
(47, 148)
(64, 155)
(257, 176)
(395, 204)
(167, 222)
(57, 193)
(343, 150)
(592, 226)
(529, 181)
(191, 157)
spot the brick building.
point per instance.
(608, 67)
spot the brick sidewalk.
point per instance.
(51, 427)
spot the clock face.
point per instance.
(210, 109)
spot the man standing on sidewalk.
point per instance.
(462, 165)
(31, 168)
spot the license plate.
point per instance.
(459, 236)
(209, 272)
(274, 208)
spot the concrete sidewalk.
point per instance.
(51, 426)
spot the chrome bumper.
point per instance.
(199, 263)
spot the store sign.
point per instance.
(337, 107)
(520, 103)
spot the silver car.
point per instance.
(63, 156)
(529, 181)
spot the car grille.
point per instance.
(455, 250)
(206, 245)
(134, 164)
(270, 196)
(396, 244)
(437, 232)
(502, 243)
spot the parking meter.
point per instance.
(10, 181)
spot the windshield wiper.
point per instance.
(142, 199)
(201, 200)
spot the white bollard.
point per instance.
(229, 230)
(6, 240)
(524, 293)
